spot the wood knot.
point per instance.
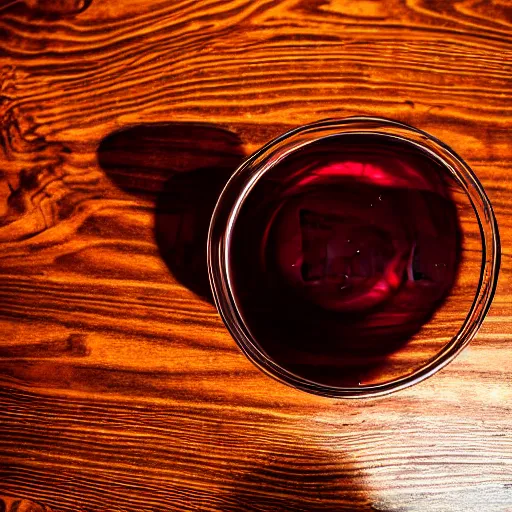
(9, 504)
(77, 345)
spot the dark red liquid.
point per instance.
(342, 252)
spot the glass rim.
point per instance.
(256, 165)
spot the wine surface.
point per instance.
(341, 252)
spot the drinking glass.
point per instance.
(353, 257)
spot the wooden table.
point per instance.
(120, 388)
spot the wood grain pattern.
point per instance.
(120, 389)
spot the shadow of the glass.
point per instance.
(181, 168)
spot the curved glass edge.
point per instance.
(240, 185)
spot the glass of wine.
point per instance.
(353, 257)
